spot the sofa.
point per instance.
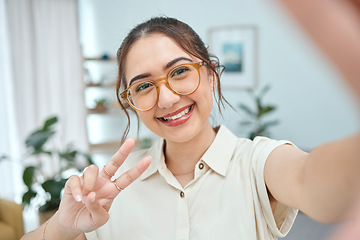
(11, 220)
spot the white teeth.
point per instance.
(179, 115)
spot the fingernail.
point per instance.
(78, 198)
(83, 199)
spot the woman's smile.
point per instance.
(177, 117)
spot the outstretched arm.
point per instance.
(324, 183)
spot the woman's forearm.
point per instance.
(51, 230)
(332, 179)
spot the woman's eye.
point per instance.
(143, 86)
(179, 71)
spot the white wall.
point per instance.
(314, 105)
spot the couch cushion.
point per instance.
(6, 232)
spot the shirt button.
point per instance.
(182, 194)
(201, 166)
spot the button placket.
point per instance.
(183, 224)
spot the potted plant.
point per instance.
(254, 117)
(41, 185)
(100, 105)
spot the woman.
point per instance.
(197, 182)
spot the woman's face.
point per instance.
(175, 118)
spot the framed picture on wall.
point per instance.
(236, 48)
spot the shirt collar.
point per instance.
(219, 154)
(217, 157)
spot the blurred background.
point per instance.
(58, 59)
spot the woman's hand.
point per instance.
(87, 199)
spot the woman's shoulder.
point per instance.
(256, 150)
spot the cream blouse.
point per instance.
(227, 199)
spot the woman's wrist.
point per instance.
(53, 229)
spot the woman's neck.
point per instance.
(181, 158)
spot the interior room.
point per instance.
(58, 75)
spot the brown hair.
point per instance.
(181, 33)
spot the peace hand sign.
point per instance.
(87, 199)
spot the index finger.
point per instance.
(118, 158)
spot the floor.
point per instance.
(305, 228)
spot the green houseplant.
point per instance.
(100, 105)
(255, 116)
(47, 189)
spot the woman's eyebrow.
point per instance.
(168, 65)
(138, 77)
(171, 63)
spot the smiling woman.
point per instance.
(198, 181)
(177, 37)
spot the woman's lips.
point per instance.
(178, 117)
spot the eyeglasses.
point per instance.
(182, 80)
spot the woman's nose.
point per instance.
(167, 98)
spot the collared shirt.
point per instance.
(227, 199)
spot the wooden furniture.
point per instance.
(11, 220)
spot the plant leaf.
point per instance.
(40, 151)
(54, 187)
(270, 123)
(68, 155)
(251, 92)
(259, 107)
(49, 122)
(266, 109)
(264, 90)
(28, 176)
(246, 123)
(252, 135)
(50, 205)
(247, 110)
(30, 194)
(38, 138)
